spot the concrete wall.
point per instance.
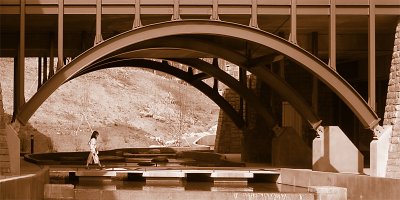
(358, 186)
(379, 153)
(334, 152)
(24, 187)
(392, 109)
(289, 150)
(175, 193)
(13, 144)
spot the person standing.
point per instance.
(94, 152)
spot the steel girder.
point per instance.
(166, 68)
(255, 66)
(209, 69)
(187, 27)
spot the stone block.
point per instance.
(88, 194)
(95, 173)
(328, 192)
(232, 174)
(59, 191)
(164, 174)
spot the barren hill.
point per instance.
(130, 107)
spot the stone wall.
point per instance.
(392, 109)
(255, 143)
(229, 137)
(2, 117)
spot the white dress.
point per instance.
(92, 145)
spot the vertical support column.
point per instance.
(243, 81)
(39, 72)
(214, 15)
(253, 19)
(176, 15)
(51, 65)
(60, 63)
(293, 22)
(99, 37)
(215, 84)
(19, 65)
(137, 22)
(314, 97)
(44, 69)
(332, 35)
(371, 56)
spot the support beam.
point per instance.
(314, 93)
(214, 15)
(60, 31)
(200, 76)
(98, 38)
(215, 83)
(243, 81)
(39, 72)
(169, 69)
(253, 19)
(45, 66)
(19, 65)
(51, 65)
(332, 35)
(176, 15)
(137, 22)
(293, 22)
(371, 56)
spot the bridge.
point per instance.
(318, 64)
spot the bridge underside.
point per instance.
(294, 58)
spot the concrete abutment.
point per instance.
(392, 109)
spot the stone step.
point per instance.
(4, 158)
(3, 145)
(5, 170)
(4, 152)
(4, 164)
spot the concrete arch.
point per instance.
(187, 27)
(163, 67)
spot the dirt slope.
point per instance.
(128, 106)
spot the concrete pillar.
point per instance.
(334, 152)
(392, 109)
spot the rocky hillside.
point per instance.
(130, 107)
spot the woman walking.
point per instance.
(93, 155)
